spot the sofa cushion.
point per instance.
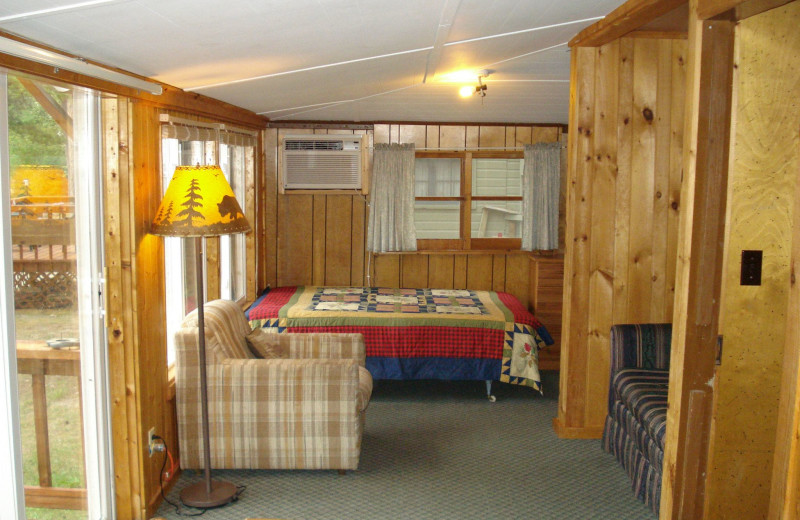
(644, 394)
(627, 422)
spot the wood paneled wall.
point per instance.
(623, 200)
(765, 151)
(320, 239)
(135, 262)
(310, 239)
(140, 391)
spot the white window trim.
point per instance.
(12, 495)
(98, 447)
(98, 452)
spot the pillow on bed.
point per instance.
(262, 345)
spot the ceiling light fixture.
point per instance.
(479, 89)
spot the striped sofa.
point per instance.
(637, 404)
(301, 406)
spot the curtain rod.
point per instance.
(477, 148)
(168, 119)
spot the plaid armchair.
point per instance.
(303, 408)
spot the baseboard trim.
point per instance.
(587, 432)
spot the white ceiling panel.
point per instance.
(362, 60)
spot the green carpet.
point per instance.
(441, 450)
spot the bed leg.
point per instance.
(489, 391)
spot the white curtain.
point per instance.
(391, 215)
(541, 179)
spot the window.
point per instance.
(468, 200)
(50, 201)
(237, 163)
(186, 143)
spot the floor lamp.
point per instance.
(200, 203)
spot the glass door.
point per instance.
(53, 213)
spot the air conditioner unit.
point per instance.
(322, 162)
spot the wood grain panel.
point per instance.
(432, 136)
(440, 270)
(268, 211)
(640, 259)
(115, 158)
(764, 172)
(479, 272)
(499, 272)
(358, 236)
(473, 137)
(294, 239)
(492, 137)
(517, 278)
(577, 269)
(785, 488)
(601, 254)
(621, 203)
(414, 271)
(622, 221)
(658, 311)
(452, 136)
(387, 270)
(381, 134)
(338, 239)
(545, 134)
(522, 136)
(415, 134)
(699, 269)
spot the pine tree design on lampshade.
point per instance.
(206, 201)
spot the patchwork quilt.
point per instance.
(447, 334)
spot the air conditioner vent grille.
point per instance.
(314, 145)
(322, 163)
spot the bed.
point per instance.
(447, 334)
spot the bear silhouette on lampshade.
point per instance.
(199, 202)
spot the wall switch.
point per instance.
(751, 267)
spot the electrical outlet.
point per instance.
(151, 442)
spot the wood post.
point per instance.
(700, 262)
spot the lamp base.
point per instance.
(196, 495)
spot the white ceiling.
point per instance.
(332, 60)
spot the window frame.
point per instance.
(179, 254)
(465, 241)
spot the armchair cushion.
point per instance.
(264, 345)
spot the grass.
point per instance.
(63, 412)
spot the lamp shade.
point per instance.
(199, 202)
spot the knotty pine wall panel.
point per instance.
(623, 185)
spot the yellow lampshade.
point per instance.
(199, 202)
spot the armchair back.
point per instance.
(644, 345)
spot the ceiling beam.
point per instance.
(626, 18)
(741, 8)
